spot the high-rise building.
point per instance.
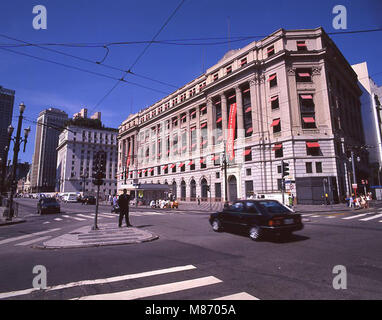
(50, 123)
(371, 101)
(7, 98)
(290, 97)
(77, 147)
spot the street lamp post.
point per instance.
(17, 141)
(5, 160)
(225, 177)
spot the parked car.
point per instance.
(48, 205)
(89, 200)
(258, 218)
(70, 197)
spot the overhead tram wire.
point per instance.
(83, 70)
(129, 70)
(173, 41)
(85, 59)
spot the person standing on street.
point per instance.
(123, 203)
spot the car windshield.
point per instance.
(49, 200)
(273, 207)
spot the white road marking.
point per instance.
(58, 219)
(371, 218)
(316, 216)
(105, 216)
(331, 217)
(83, 216)
(46, 222)
(33, 241)
(238, 296)
(28, 236)
(99, 281)
(154, 290)
(356, 216)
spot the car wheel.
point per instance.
(255, 233)
(216, 225)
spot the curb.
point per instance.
(42, 247)
(11, 222)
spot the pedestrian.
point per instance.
(123, 203)
(351, 202)
(198, 200)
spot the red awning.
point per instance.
(215, 158)
(183, 117)
(181, 165)
(275, 122)
(165, 167)
(144, 171)
(139, 171)
(172, 166)
(247, 152)
(312, 144)
(274, 98)
(218, 102)
(193, 145)
(204, 142)
(202, 160)
(277, 147)
(220, 138)
(218, 120)
(308, 120)
(168, 151)
(192, 113)
(191, 163)
(248, 109)
(203, 125)
(184, 148)
(151, 169)
(272, 77)
(231, 97)
(246, 90)
(301, 44)
(306, 96)
(270, 49)
(303, 74)
(192, 129)
(249, 130)
(202, 109)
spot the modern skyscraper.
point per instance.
(50, 123)
(7, 98)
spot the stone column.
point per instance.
(198, 134)
(224, 115)
(254, 106)
(211, 123)
(240, 119)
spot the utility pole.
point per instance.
(354, 176)
(99, 169)
(225, 176)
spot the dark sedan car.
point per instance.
(258, 218)
(89, 200)
(48, 205)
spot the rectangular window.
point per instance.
(203, 163)
(228, 70)
(218, 191)
(308, 166)
(183, 118)
(301, 46)
(276, 124)
(216, 159)
(203, 110)
(275, 102)
(193, 113)
(248, 154)
(307, 111)
(278, 169)
(248, 172)
(270, 51)
(319, 167)
(272, 80)
(278, 149)
(304, 75)
(243, 62)
(248, 188)
(313, 148)
(216, 76)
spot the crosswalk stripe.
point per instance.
(83, 216)
(331, 217)
(356, 216)
(58, 219)
(238, 296)
(46, 222)
(100, 281)
(28, 236)
(154, 290)
(33, 241)
(316, 216)
(105, 216)
(371, 218)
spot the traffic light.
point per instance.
(99, 167)
(284, 168)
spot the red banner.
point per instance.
(231, 131)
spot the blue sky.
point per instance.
(40, 85)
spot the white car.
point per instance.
(70, 197)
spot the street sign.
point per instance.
(354, 186)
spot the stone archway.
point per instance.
(203, 187)
(192, 190)
(232, 188)
(183, 189)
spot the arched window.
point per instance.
(203, 186)
(193, 190)
(183, 190)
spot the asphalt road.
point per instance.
(211, 265)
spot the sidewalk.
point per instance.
(5, 222)
(108, 234)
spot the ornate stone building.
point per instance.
(291, 96)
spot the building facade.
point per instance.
(50, 123)
(76, 149)
(7, 98)
(372, 121)
(291, 96)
